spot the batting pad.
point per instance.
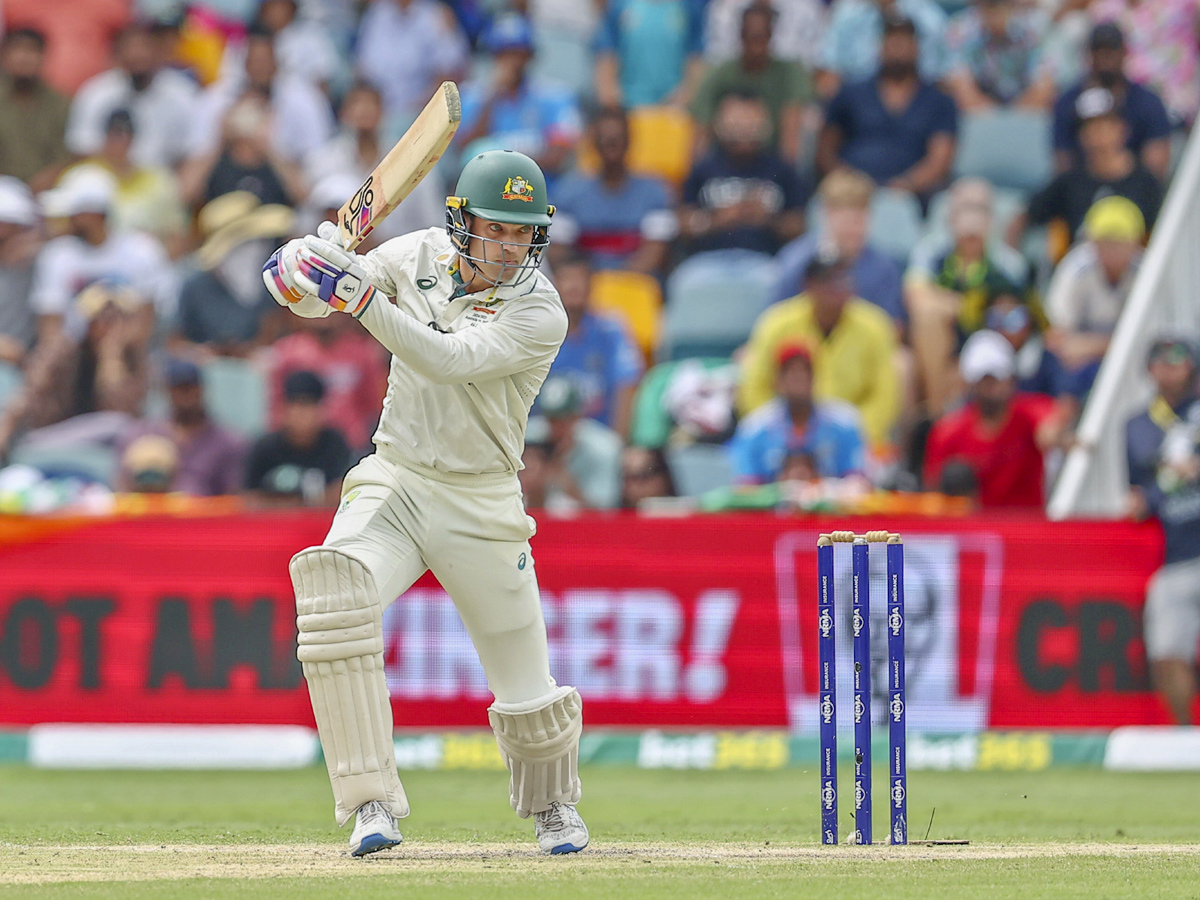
(340, 635)
(539, 740)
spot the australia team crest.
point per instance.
(517, 188)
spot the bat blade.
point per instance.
(409, 161)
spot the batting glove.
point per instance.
(279, 273)
(329, 272)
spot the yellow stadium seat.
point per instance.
(637, 298)
(660, 144)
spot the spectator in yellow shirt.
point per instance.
(854, 347)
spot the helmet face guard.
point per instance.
(457, 210)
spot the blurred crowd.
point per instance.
(819, 255)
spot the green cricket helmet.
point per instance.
(500, 186)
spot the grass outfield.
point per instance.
(1056, 833)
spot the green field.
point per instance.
(1055, 833)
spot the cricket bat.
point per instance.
(413, 157)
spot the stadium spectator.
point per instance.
(1164, 480)
(645, 475)
(303, 47)
(1036, 368)
(784, 86)
(618, 219)
(210, 459)
(147, 197)
(223, 303)
(582, 458)
(303, 462)
(33, 116)
(245, 159)
(1148, 127)
(845, 224)
(948, 285)
(299, 118)
(798, 33)
(996, 57)
(435, 50)
(93, 252)
(648, 53)
(163, 103)
(1164, 48)
(742, 193)
(1090, 287)
(853, 46)
(1000, 433)
(511, 110)
(793, 422)
(597, 355)
(19, 244)
(853, 342)
(96, 363)
(896, 127)
(1108, 167)
(350, 365)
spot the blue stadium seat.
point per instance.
(564, 57)
(896, 223)
(698, 468)
(1008, 147)
(236, 396)
(713, 300)
(94, 462)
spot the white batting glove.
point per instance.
(329, 272)
(279, 273)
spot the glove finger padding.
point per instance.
(333, 275)
(279, 274)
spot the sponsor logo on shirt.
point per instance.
(426, 283)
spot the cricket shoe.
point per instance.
(560, 829)
(374, 829)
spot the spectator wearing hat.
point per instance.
(947, 288)
(161, 101)
(1107, 168)
(1148, 127)
(20, 241)
(349, 363)
(996, 57)
(1090, 287)
(149, 465)
(854, 349)
(845, 224)
(853, 45)
(511, 110)
(96, 362)
(1162, 445)
(303, 462)
(896, 127)
(210, 459)
(792, 423)
(597, 355)
(1000, 433)
(784, 86)
(92, 251)
(435, 50)
(617, 219)
(147, 196)
(1035, 366)
(223, 304)
(648, 53)
(298, 117)
(338, 168)
(742, 194)
(582, 458)
(33, 115)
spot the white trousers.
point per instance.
(472, 532)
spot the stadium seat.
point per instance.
(1008, 147)
(713, 300)
(236, 396)
(10, 383)
(635, 297)
(562, 57)
(660, 144)
(896, 223)
(94, 462)
(698, 468)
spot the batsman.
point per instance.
(473, 326)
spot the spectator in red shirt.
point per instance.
(347, 360)
(1001, 433)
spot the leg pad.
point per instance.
(539, 741)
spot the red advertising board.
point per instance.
(706, 621)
